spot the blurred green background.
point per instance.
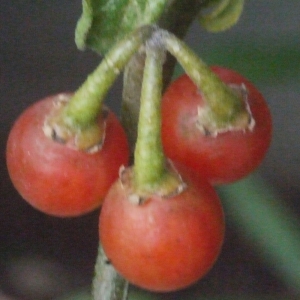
(46, 258)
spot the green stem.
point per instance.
(177, 17)
(149, 158)
(84, 107)
(225, 107)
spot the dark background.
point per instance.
(38, 57)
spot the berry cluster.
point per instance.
(161, 223)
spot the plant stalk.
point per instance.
(149, 160)
(85, 106)
(225, 107)
(107, 283)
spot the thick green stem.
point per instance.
(149, 158)
(225, 107)
(85, 105)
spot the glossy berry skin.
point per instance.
(220, 159)
(164, 244)
(57, 179)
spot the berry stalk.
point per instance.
(149, 158)
(226, 108)
(77, 118)
(151, 171)
(87, 101)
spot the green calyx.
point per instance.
(166, 186)
(89, 138)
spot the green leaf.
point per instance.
(224, 14)
(104, 22)
(84, 24)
